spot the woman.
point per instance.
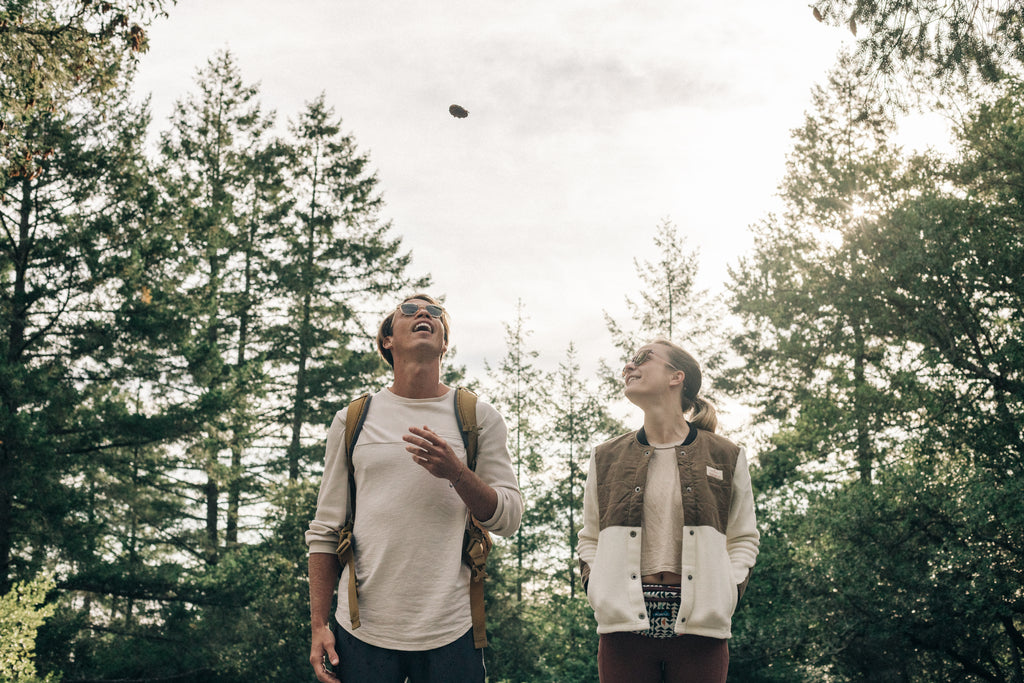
(669, 535)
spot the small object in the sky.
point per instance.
(457, 111)
(853, 26)
(817, 14)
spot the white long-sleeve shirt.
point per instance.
(413, 585)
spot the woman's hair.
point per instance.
(703, 414)
(387, 326)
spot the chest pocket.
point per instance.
(710, 493)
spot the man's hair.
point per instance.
(387, 326)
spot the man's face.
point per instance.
(416, 330)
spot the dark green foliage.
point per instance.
(908, 570)
(54, 54)
(65, 270)
(139, 380)
(908, 47)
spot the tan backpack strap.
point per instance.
(465, 413)
(347, 558)
(478, 542)
(354, 418)
(476, 546)
(476, 608)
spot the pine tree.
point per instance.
(810, 357)
(670, 307)
(66, 236)
(579, 420)
(519, 395)
(338, 261)
(517, 391)
(207, 172)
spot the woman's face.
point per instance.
(649, 373)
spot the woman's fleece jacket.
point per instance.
(720, 537)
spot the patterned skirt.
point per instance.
(662, 604)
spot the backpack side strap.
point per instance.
(354, 419)
(477, 543)
(465, 415)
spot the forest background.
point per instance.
(178, 321)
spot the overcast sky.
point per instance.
(590, 122)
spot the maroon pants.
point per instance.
(632, 658)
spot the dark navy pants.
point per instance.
(457, 662)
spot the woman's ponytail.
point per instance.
(702, 413)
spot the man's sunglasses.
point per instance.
(409, 308)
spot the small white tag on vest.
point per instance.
(715, 474)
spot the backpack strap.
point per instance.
(354, 419)
(465, 415)
(478, 541)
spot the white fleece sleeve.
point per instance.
(742, 539)
(587, 546)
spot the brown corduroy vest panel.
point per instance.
(706, 469)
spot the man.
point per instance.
(414, 494)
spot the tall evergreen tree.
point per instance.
(206, 172)
(518, 391)
(670, 306)
(579, 419)
(338, 261)
(808, 355)
(66, 237)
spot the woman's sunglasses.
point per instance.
(409, 308)
(643, 355)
